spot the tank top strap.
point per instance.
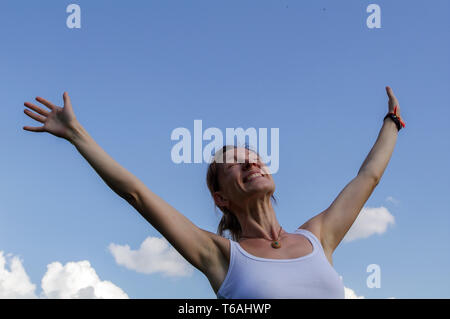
(233, 256)
(312, 238)
(233, 250)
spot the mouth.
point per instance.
(252, 177)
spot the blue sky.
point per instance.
(313, 69)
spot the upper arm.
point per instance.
(334, 222)
(196, 245)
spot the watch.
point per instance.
(395, 119)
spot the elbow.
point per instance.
(131, 197)
(375, 178)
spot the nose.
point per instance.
(248, 165)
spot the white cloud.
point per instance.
(77, 280)
(392, 200)
(74, 280)
(14, 283)
(350, 294)
(370, 221)
(154, 255)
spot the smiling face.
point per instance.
(243, 176)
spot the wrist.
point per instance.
(75, 133)
(391, 117)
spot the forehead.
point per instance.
(239, 155)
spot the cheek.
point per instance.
(235, 183)
(230, 181)
(265, 170)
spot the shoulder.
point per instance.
(314, 225)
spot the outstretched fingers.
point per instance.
(40, 118)
(34, 129)
(48, 104)
(34, 116)
(37, 109)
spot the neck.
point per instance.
(258, 220)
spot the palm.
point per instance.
(57, 121)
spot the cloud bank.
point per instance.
(77, 280)
(74, 280)
(14, 282)
(155, 255)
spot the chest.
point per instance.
(292, 246)
(300, 271)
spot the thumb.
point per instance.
(67, 102)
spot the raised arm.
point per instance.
(194, 244)
(333, 223)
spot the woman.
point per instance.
(262, 260)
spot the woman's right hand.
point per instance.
(59, 121)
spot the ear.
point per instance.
(220, 200)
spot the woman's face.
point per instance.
(244, 176)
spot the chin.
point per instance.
(263, 186)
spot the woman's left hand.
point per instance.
(392, 101)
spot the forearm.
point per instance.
(120, 180)
(380, 154)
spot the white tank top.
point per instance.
(310, 276)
